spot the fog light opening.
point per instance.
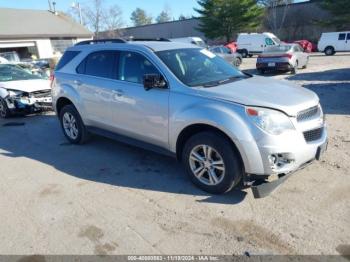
(280, 160)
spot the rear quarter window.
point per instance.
(66, 58)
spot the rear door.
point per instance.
(95, 84)
(341, 43)
(347, 42)
(227, 54)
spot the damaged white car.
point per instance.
(22, 92)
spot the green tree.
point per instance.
(164, 16)
(140, 17)
(340, 13)
(221, 18)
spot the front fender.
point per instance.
(228, 118)
(3, 92)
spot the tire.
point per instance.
(329, 50)
(294, 70)
(226, 175)
(305, 66)
(244, 53)
(72, 125)
(237, 62)
(261, 71)
(4, 110)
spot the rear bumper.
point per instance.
(279, 66)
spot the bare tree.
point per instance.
(93, 15)
(276, 12)
(112, 21)
(100, 18)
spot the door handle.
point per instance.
(77, 82)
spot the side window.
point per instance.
(101, 64)
(348, 36)
(133, 66)
(217, 50)
(225, 50)
(269, 41)
(66, 58)
(341, 37)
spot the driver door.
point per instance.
(138, 113)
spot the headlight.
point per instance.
(272, 121)
(14, 92)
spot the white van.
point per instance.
(255, 43)
(330, 43)
(190, 40)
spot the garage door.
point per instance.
(16, 44)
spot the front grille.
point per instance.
(39, 94)
(313, 135)
(308, 113)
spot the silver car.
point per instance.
(179, 99)
(282, 58)
(226, 53)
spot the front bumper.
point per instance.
(282, 156)
(263, 187)
(28, 104)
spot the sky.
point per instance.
(152, 7)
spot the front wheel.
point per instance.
(237, 62)
(4, 110)
(72, 125)
(212, 163)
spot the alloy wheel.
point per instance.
(207, 165)
(70, 126)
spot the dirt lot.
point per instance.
(108, 198)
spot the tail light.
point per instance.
(289, 56)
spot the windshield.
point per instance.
(15, 73)
(278, 49)
(199, 67)
(276, 40)
(199, 43)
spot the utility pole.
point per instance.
(50, 6)
(78, 7)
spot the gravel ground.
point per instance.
(108, 198)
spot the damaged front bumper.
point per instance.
(29, 102)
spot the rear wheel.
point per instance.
(295, 68)
(211, 162)
(329, 50)
(4, 110)
(244, 53)
(307, 61)
(72, 125)
(261, 71)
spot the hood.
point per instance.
(264, 92)
(27, 85)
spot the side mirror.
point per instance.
(154, 81)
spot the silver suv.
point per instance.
(224, 125)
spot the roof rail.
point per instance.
(101, 41)
(159, 39)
